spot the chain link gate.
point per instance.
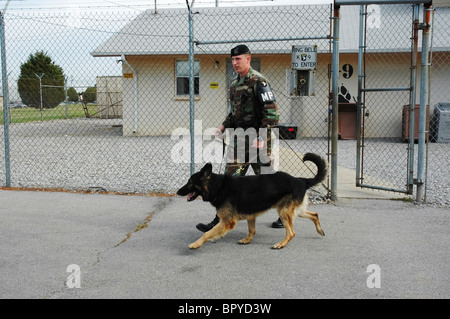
(376, 87)
(396, 120)
(387, 94)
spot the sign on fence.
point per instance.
(304, 57)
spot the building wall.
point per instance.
(384, 110)
(160, 111)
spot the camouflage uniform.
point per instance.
(253, 105)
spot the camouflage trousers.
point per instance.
(240, 157)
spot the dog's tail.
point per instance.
(321, 169)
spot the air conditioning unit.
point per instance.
(440, 123)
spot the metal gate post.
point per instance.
(423, 98)
(334, 93)
(5, 99)
(191, 88)
(359, 102)
(412, 98)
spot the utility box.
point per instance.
(302, 74)
(287, 131)
(302, 83)
(405, 121)
(440, 123)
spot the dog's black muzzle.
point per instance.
(183, 191)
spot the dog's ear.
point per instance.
(207, 169)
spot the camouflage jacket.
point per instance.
(253, 103)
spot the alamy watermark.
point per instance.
(74, 279)
(244, 145)
(374, 279)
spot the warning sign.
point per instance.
(128, 75)
(304, 57)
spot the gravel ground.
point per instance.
(87, 154)
(385, 164)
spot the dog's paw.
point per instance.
(245, 241)
(278, 246)
(194, 246)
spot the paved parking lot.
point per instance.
(136, 247)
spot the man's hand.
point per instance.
(219, 132)
(257, 143)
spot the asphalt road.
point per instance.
(136, 247)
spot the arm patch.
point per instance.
(264, 92)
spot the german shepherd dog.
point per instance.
(246, 197)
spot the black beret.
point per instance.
(240, 49)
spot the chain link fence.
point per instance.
(438, 150)
(125, 122)
(99, 100)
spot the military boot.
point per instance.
(277, 224)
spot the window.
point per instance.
(182, 77)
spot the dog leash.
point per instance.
(224, 147)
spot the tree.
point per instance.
(72, 94)
(41, 65)
(90, 95)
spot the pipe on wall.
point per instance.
(135, 78)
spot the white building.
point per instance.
(155, 47)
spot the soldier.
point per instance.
(253, 106)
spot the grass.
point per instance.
(29, 114)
